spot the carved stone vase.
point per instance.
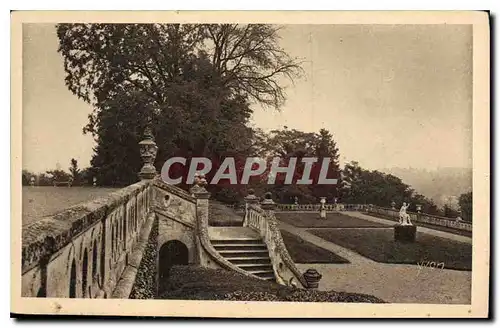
(148, 150)
(312, 278)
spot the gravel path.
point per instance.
(394, 283)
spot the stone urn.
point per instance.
(148, 150)
(312, 278)
(268, 203)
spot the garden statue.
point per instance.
(322, 209)
(393, 205)
(404, 218)
(296, 200)
(32, 181)
(419, 208)
(94, 181)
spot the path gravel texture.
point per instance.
(394, 283)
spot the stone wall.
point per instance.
(145, 282)
(82, 251)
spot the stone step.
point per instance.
(249, 260)
(261, 272)
(242, 246)
(236, 241)
(255, 266)
(244, 253)
(266, 275)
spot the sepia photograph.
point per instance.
(250, 164)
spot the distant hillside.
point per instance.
(443, 185)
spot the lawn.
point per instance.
(302, 251)
(333, 220)
(379, 245)
(197, 283)
(221, 215)
(38, 202)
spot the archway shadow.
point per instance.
(171, 253)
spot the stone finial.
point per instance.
(198, 190)
(268, 203)
(148, 150)
(251, 198)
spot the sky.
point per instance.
(391, 95)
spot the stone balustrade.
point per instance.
(264, 222)
(83, 251)
(316, 207)
(422, 217)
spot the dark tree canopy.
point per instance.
(194, 83)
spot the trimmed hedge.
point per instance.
(197, 283)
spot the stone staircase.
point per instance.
(245, 249)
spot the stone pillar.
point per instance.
(250, 199)
(202, 211)
(148, 150)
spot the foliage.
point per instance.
(26, 177)
(74, 171)
(465, 203)
(193, 82)
(292, 143)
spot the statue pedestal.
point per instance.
(405, 233)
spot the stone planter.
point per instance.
(405, 233)
(312, 278)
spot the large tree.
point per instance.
(291, 143)
(193, 82)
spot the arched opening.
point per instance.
(72, 280)
(103, 258)
(124, 231)
(84, 272)
(171, 253)
(112, 240)
(94, 260)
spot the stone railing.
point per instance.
(84, 251)
(422, 217)
(264, 222)
(316, 207)
(208, 256)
